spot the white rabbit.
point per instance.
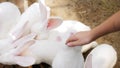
(6, 43)
(39, 14)
(68, 27)
(27, 19)
(41, 51)
(69, 57)
(55, 32)
(37, 52)
(55, 29)
(103, 56)
(53, 47)
(9, 16)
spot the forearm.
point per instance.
(112, 24)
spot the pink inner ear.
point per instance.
(49, 24)
(53, 23)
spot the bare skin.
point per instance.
(112, 24)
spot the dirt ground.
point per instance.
(90, 12)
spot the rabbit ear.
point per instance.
(43, 11)
(18, 30)
(88, 63)
(54, 22)
(24, 39)
(24, 60)
(42, 1)
(23, 46)
(21, 49)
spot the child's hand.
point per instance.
(110, 25)
(80, 38)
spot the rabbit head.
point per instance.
(35, 19)
(45, 23)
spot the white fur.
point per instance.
(9, 16)
(50, 50)
(103, 56)
(69, 57)
(46, 51)
(68, 27)
(8, 44)
(27, 19)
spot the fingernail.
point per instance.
(68, 44)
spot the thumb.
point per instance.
(71, 39)
(74, 43)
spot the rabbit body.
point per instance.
(103, 56)
(9, 16)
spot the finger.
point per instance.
(74, 43)
(71, 39)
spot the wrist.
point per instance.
(93, 35)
